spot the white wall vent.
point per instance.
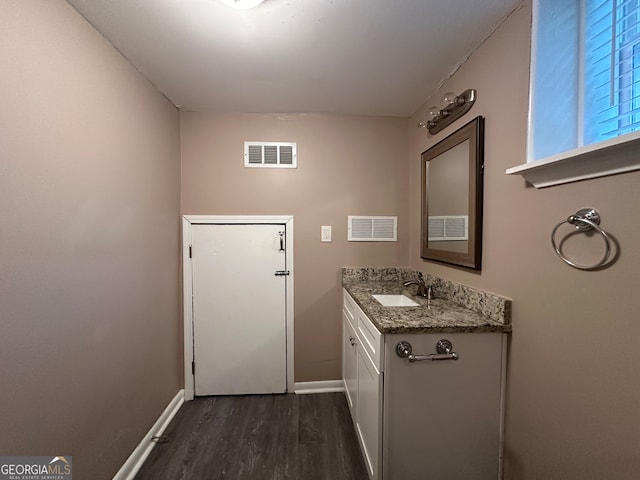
(372, 229)
(448, 227)
(270, 155)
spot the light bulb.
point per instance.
(433, 113)
(448, 99)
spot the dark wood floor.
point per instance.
(259, 437)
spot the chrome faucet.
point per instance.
(423, 289)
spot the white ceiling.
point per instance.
(365, 57)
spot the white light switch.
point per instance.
(325, 233)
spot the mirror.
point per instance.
(452, 197)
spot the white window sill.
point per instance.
(617, 155)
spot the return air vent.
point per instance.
(372, 229)
(270, 155)
(448, 227)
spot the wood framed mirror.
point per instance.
(452, 191)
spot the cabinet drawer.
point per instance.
(371, 340)
(349, 309)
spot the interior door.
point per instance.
(239, 309)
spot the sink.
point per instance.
(395, 301)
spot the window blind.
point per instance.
(612, 68)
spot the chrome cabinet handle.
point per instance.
(443, 347)
(353, 341)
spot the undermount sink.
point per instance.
(395, 301)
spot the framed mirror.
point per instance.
(452, 186)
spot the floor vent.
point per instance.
(372, 229)
(448, 227)
(270, 155)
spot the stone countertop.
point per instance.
(435, 316)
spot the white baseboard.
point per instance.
(319, 387)
(130, 468)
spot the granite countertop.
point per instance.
(434, 316)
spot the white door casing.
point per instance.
(235, 287)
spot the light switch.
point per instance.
(325, 233)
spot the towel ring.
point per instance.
(584, 220)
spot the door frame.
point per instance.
(187, 285)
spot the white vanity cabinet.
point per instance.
(425, 419)
(363, 381)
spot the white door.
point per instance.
(239, 309)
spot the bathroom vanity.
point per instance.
(425, 383)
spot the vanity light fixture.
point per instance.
(242, 4)
(454, 106)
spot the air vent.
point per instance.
(372, 229)
(270, 155)
(449, 227)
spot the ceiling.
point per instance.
(363, 57)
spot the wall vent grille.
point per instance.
(372, 229)
(270, 155)
(448, 227)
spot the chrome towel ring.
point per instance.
(584, 220)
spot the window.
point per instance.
(585, 89)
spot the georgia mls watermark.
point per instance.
(36, 468)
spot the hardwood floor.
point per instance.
(259, 437)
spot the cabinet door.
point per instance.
(443, 419)
(369, 408)
(350, 365)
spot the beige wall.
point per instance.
(573, 390)
(346, 166)
(89, 243)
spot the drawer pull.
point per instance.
(443, 347)
(353, 341)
